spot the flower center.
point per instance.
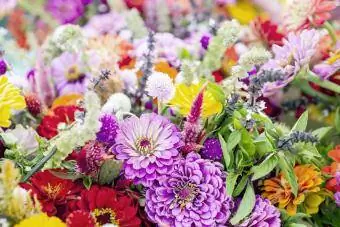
(144, 146)
(104, 216)
(52, 191)
(185, 194)
(73, 73)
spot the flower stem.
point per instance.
(312, 77)
(331, 31)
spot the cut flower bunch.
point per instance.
(169, 113)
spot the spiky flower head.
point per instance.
(33, 103)
(212, 149)
(108, 132)
(91, 157)
(159, 85)
(148, 145)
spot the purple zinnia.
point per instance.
(296, 52)
(108, 132)
(68, 74)
(3, 67)
(337, 198)
(264, 214)
(193, 194)
(148, 146)
(212, 149)
(65, 11)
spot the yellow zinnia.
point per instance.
(243, 10)
(185, 95)
(41, 220)
(278, 190)
(10, 98)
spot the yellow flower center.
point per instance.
(144, 146)
(52, 190)
(104, 216)
(73, 73)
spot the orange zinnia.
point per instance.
(332, 169)
(278, 190)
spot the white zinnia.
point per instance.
(159, 85)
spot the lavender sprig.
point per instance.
(287, 143)
(256, 83)
(104, 75)
(148, 58)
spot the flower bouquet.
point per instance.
(169, 113)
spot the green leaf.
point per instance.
(246, 206)
(231, 181)
(322, 132)
(264, 167)
(233, 139)
(301, 123)
(87, 181)
(288, 172)
(337, 119)
(109, 170)
(240, 186)
(226, 155)
(247, 143)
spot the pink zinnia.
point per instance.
(302, 14)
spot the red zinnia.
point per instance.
(80, 218)
(109, 206)
(266, 31)
(52, 192)
(48, 127)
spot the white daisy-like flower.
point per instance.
(159, 85)
(117, 102)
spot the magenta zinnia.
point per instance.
(148, 146)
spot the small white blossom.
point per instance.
(117, 102)
(159, 85)
(255, 56)
(130, 80)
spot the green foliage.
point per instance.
(246, 206)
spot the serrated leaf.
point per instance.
(230, 182)
(264, 167)
(322, 132)
(288, 172)
(109, 170)
(233, 139)
(226, 155)
(301, 123)
(246, 206)
(240, 186)
(337, 119)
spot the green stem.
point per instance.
(39, 165)
(312, 77)
(307, 89)
(331, 31)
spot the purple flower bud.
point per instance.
(3, 67)
(205, 41)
